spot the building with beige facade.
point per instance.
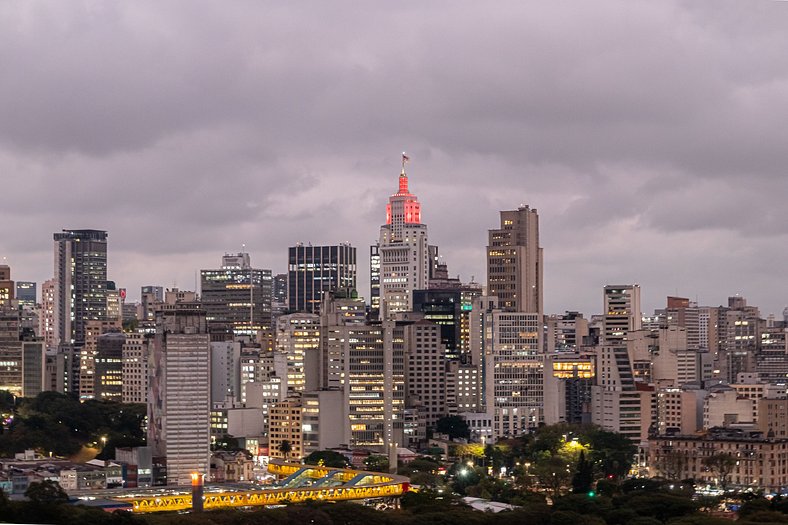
(425, 368)
(135, 368)
(773, 417)
(515, 262)
(284, 425)
(761, 462)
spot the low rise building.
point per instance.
(760, 462)
(232, 466)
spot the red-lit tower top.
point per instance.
(403, 207)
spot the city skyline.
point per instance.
(657, 163)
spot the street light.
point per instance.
(103, 442)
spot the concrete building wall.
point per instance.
(725, 407)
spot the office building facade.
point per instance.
(237, 297)
(621, 312)
(180, 398)
(80, 283)
(514, 262)
(26, 293)
(314, 270)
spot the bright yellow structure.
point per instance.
(349, 485)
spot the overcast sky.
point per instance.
(650, 135)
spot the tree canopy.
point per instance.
(326, 458)
(57, 423)
(454, 426)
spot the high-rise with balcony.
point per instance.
(619, 401)
(514, 262)
(80, 283)
(622, 312)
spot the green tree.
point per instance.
(583, 479)
(377, 463)
(57, 423)
(420, 464)
(46, 491)
(455, 426)
(7, 402)
(424, 479)
(326, 458)
(4, 503)
(721, 465)
(552, 473)
(285, 448)
(611, 453)
(427, 499)
(672, 465)
(659, 505)
(464, 476)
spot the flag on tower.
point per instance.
(405, 158)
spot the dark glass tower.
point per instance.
(313, 270)
(80, 283)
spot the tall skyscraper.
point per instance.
(507, 347)
(507, 326)
(237, 297)
(180, 384)
(366, 362)
(403, 250)
(80, 283)
(514, 262)
(618, 403)
(314, 270)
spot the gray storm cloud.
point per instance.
(648, 134)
